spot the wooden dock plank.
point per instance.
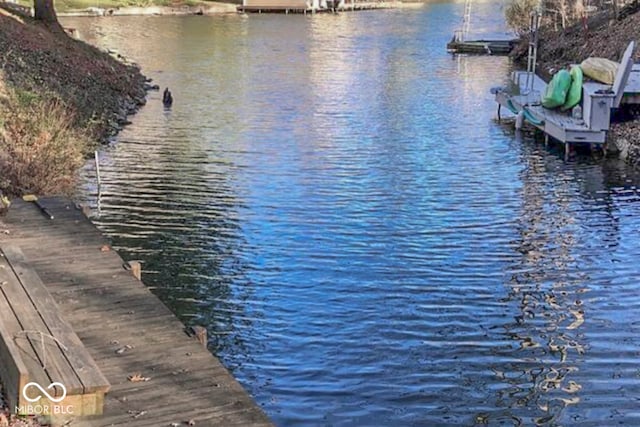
(80, 363)
(48, 352)
(13, 367)
(112, 306)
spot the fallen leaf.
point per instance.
(137, 414)
(105, 248)
(136, 378)
(123, 349)
(191, 422)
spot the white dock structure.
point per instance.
(523, 97)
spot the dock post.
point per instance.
(136, 269)
(546, 140)
(567, 151)
(499, 107)
(200, 333)
(519, 120)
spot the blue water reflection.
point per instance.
(331, 196)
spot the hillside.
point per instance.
(98, 89)
(601, 37)
(58, 97)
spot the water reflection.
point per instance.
(550, 312)
(364, 243)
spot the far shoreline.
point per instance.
(213, 8)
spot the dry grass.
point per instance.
(40, 149)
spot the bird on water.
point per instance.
(167, 98)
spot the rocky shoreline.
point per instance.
(100, 89)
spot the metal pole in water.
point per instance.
(98, 170)
(99, 180)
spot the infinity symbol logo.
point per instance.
(44, 392)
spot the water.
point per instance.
(331, 197)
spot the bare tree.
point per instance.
(578, 10)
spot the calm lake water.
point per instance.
(331, 197)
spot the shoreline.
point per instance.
(97, 91)
(209, 8)
(216, 8)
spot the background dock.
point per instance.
(486, 47)
(109, 310)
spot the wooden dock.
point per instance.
(523, 97)
(481, 47)
(124, 327)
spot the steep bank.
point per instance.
(99, 90)
(601, 37)
(58, 97)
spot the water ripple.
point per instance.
(331, 196)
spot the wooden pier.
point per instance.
(158, 375)
(481, 47)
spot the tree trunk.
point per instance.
(563, 13)
(46, 12)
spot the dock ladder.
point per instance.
(532, 56)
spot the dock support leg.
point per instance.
(520, 120)
(136, 269)
(499, 107)
(200, 333)
(567, 151)
(546, 140)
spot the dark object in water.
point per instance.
(167, 99)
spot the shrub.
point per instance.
(40, 150)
